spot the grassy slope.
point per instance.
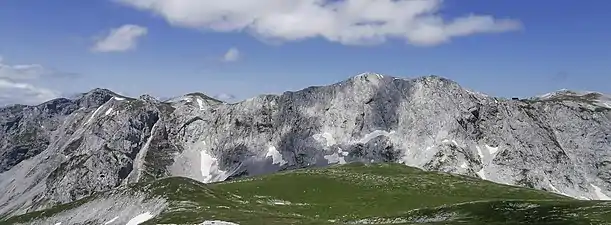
(376, 194)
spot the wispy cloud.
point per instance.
(21, 72)
(17, 83)
(12, 92)
(31, 71)
(352, 22)
(120, 39)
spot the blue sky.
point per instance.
(167, 47)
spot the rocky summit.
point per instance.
(65, 150)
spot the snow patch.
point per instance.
(375, 134)
(445, 141)
(108, 112)
(276, 156)
(200, 103)
(112, 220)
(210, 168)
(342, 152)
(217, 222)
(58, 223)
(140, 219)
(464, 165)
(599, 193)
(337, 157)
(93, 114)
(118, 98)
(480, 153)
(482, 174)
(492, 150)
(554, 189)
(326, 138)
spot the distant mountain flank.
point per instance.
(67, 149)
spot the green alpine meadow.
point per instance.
(354, 193)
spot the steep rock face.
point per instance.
(26, 130)
(92, 148)
(583, 130)
(558, 143)
(428, 122)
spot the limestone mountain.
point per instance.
(67, 149)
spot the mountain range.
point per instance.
(67, 150)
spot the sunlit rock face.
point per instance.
(67, 149)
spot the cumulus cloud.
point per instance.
(17, 83)
(120, 39)
(353, 22)
(232, 55)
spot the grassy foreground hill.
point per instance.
(348, 194)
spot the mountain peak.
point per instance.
(148, 98)
(377, 76)
(202, 96)
(100, 91)
(193, 96)
(369, 75)
(591, 97)
(95, 97)
(433, 78)
(572, 93)
(196, 99)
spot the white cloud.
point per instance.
(21, 72)
(232, 55)
(28, 71)
(120, 39)
(12, 92)
(355, 22)
(16, 83)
